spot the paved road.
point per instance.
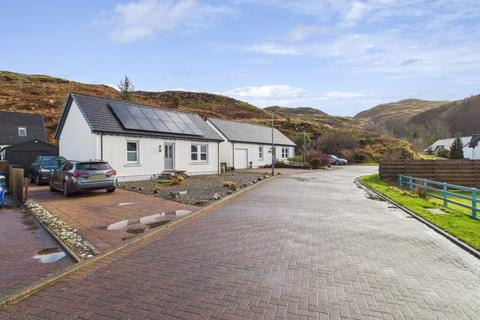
(310, 246)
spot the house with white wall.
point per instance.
(470, 146)
(140, 142)
(247, 145)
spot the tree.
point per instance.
(126, 89)
(177, 101)
(456, 150)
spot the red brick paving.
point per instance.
(90, 213)
(21, 237)
(292, 248)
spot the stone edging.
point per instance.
(474, 252)
(18, 296)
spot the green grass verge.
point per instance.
(455, 222)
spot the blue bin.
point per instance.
(2, 197)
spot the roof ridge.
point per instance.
(242, 122)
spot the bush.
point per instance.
(444, 153)
(297, 158)
(232, 185)
(323, 159)
(280, 164)
(421, 192)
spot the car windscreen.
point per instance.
(92, 166)
(50, 163)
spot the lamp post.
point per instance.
(274, 156)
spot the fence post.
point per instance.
(400, 181)
(410, 183)
(474, 204)
(445, 199)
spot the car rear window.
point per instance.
(50, 163)
(93, 166)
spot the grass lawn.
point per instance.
(454, 221)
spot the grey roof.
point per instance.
(10, 121)
(249, 133)
(474, 141)
(100, 118)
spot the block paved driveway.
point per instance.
(309, 246)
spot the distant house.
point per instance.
(139, 141)
(246, 145)
(470, 143)
(16, 128)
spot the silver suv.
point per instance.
(74, 176)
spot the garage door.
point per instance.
(241, 159)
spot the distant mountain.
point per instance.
(348, 137)
(460, 116)
(401, 110)
(296, 111)
(422, 122)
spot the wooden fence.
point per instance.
(16, 181)
(460, 172)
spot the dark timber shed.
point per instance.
(23, 154)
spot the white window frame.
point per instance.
(261, 152)
(285, 152)
(199, 152)
(137, 151)
(22, 129)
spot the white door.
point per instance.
(241, 159)
(169, 156)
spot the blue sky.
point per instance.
(340, 56)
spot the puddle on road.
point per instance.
(138, 226)
(125, 203)
(29, 221)
(49, 255)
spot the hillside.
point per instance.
(401, 110)
(461, 116)
(347, 137)
(300, 111)
(423, 122)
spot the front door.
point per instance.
(169, 155)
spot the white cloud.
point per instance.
(356, 11)
(143, 19)
(267, 91)
(273, 48)
(343, 94)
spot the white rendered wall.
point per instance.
(253, 154)
(77, 142)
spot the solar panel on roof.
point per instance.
(149, 119)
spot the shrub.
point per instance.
(421, 192)
(280, 164)
(444, 153)
(316, 163)
(297, 158)
(323, 159)
(232, 185)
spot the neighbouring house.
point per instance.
(250, 146)
(23, 138)
(140, 142)
(470, 150)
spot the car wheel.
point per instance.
(66, 190)
(110, 190)
(37, 180)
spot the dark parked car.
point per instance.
(337, 161)
(42, 167)
(75, 176)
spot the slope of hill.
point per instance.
(401, 110)
(45, 95)
(305, 111)
(461, 116)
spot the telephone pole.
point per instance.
(273, 147)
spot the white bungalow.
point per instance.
(470, 146)
(138, 141)
(250, 146)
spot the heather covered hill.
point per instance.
(348, 137)
(400, 110)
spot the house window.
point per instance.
(260, 152)
(132, 151)
(285, 153)
(22, 131)
(199, 152)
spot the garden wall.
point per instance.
(461, 172)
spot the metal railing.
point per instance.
(434, 188)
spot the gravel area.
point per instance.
(200, 190)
